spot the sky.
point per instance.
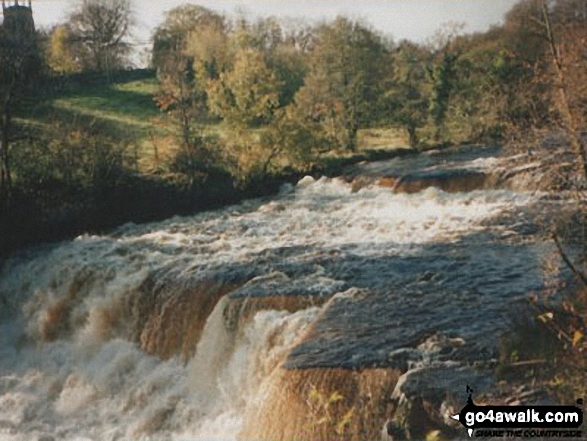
(409, 19)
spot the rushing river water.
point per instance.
(182, 329)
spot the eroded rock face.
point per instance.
(427, 396)
(456, 170)
(463, 170)
(451, 181)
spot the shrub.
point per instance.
(72, 155)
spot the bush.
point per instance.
(198, 160)
(72, 156)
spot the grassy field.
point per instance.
(125, 108)
(125, 105)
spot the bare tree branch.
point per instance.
(579, 274)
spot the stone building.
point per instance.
(18, 21)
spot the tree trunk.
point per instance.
(274, 152)
(353, 131)
(413, 136)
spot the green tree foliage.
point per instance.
(346, 70)
(74, 156)
(295, 141)
(443, 83)
(189, 50)
(248, 94)
(407, 100)
(287, 61)
(445, 51)
(184, 110)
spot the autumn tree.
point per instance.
(545, 38)
(179, 97)
(101, 28)
(565, 29)
(442, 71)
(344, 83)
(182, 91)
(406, 100)
(549, 38)
(529, 106)
(264, 34)
(180, 30)
(188, 51)
(209, 47)
(480, 98)
(298, 34)
(61, 56)
(286, 57)
(248, 94)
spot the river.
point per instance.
(245, 322)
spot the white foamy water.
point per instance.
(88, 382)
(114, 391)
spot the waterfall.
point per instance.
(216, 326)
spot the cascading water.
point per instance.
(172, 330)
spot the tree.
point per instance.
(443, 82)
(528, 106)
(347, 67)
(180, 30)
(566, 62)
(547, 37)
(189, 49)
(476, 101)
(61, 56)
(445, 54)
(298, 34)
(210, 50)
(101, 28)
(407, 98)
(282, 56)
(179, 97)
(560, 28)
(248, 94)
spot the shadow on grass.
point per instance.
(123, 106)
